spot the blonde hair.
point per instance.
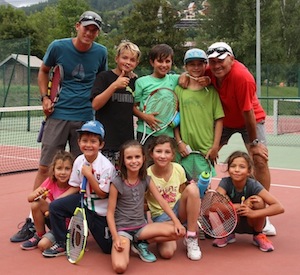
(129, 46)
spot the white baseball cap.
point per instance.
(219, 50)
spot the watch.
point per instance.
(42, 97)
(254, 142)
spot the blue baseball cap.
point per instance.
(94, 127)
(195, 54)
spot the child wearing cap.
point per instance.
(161, 59)
(99, 172)
(201, 112)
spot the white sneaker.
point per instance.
(269, 229)
(193, 249)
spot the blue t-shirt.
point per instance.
(80, 70)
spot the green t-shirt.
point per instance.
(143, 87)
(198, 111)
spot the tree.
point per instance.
(235, 23)
(152, 22)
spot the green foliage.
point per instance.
(146, 27)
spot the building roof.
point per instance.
(35, 62)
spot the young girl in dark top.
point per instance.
(250, 199)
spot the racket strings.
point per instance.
(218, 217)
(163, 104)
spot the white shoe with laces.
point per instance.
(193, 249)
(269, 229)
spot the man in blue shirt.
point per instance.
(81, 59)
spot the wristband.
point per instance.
(179, 142)
(42, 97)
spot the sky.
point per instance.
(19, 3)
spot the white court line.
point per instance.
(20, 158)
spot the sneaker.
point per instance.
(269, 229)
(31, 243)
(263, 243)
(193, 249)
(25, 233)
(224, 241)
(55, 251)
(142, 250)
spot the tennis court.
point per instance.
(239, 258)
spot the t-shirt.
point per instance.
(168, 189)
(117, 114)
(104, 173)
(252, 187)
(54, 190)
(143, 87)
(238, 95)
(129, 213)
(80, 69)
(198, 111)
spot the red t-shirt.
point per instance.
(238, 94)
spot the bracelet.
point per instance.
(179, 142)
(42, 97)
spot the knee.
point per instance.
(167, 251)
(192, 191)
(44, 244)
(35, 206)
(259, 204)
(260, 163)
(120, 267)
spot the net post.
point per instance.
(275, 117)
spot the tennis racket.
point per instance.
(77, 230)
(218, 216)
(196, 163)
(53, 91)
(164, 102)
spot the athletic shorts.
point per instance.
(57, 134)
(132, 235)
(260, 132)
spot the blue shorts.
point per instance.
(165, 217)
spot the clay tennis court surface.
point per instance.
(239, 258)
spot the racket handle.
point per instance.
(40, 135)
(203, 182)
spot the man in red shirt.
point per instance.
(243, 112)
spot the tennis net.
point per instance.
(19, 149)
(286, 113)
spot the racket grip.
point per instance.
(40, 135)
(203, 183)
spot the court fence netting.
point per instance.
(19, 128)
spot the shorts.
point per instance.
(57, 133)
(165, 217)
(243, 227)
(260, 132)
(132, 235)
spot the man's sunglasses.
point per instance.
(219, 50)
(91, 18)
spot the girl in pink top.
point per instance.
(52, 188)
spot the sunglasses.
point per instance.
(91, 18)
(219, 50)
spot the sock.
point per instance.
(191, 234)
(40, 234)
